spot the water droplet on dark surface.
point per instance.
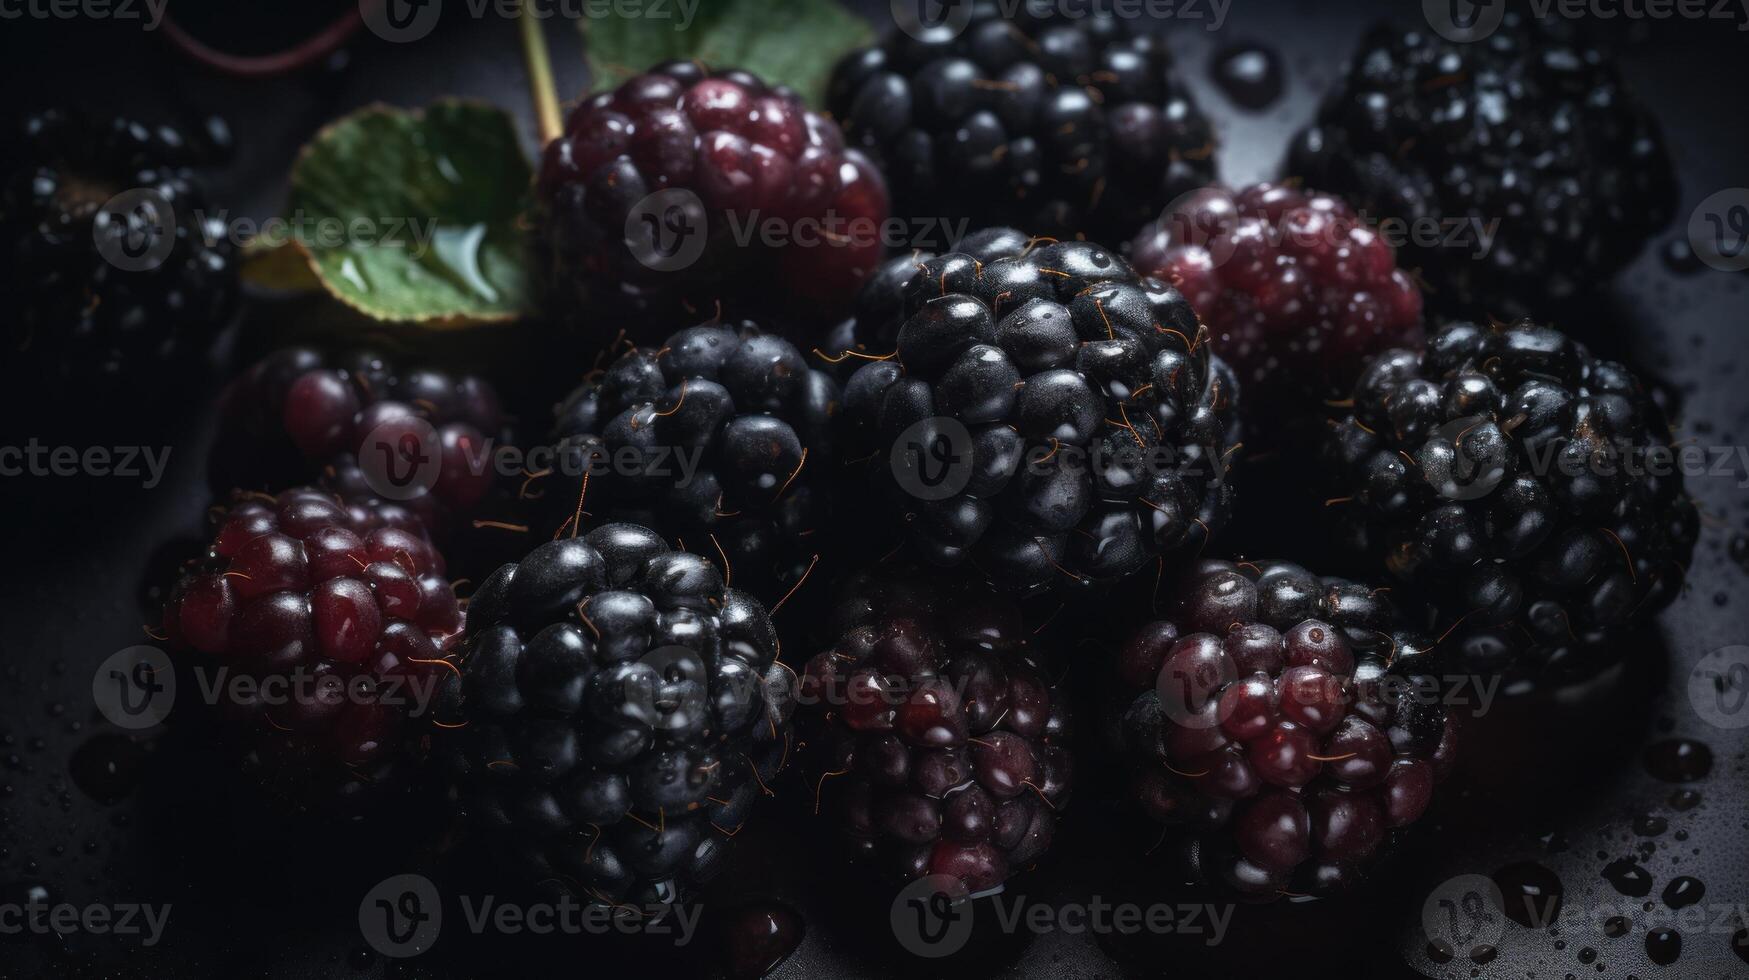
(1628, 877)
(1683, 891)
(1587, 955)
(1615, 927)
(1663, 946)
(758, 937)
(1679, 760)
(1484, 954)
(107, 767)
(1679, 256)
(1684, 799)
(1439, 952)
(1650, 825)
(1532, 894)
(1249, 74)
(1740, 944)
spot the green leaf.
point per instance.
(792, 42)
(414, 216)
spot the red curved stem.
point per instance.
(303, 54)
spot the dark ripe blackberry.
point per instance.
(340, 617)
(1527, 489)
(720, 437)
(937, 741)
(729, 155)
(1531, 128)
(114, 264)
(1058, 125)
(364, 428)
(1282, 725)
(1041, 413)
(1296, 289)
(617, 713)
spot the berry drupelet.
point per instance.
(617, 714)
(113, 268)
(1039, 412)
(1528, 139)
(364, 428)
(937, 741)
(720, 437)
(725, 154)
(345, 612)
(1056, 125)
(1296, 289)
(1281, 726)
(1514, 480)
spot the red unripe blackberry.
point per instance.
(364, 428)
(1296, 287)
(936, 740)
(657, 199)
(1280, 726)
(338, 617)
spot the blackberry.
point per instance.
(728, 154)
(1057, 125)
(340, 616)
(1296, 289)
(363, 427)
(617, 714)
(938, 742)
(1282, 725)
(1532, 128)
(1515, 481)
(721, 437)
(1041, 412)
(113, 266)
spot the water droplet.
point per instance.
(1438, 951)
(1650, 825)
(758, 937)
(350, 271)
(1532, 894)
(1249, 74)
(107, 767)
(1683, 891)
(1663, 946)
(1679, 760)
(1679, 256)
(1615, 926)
(1740, 944)
(1628, 877)
(1587, 955)
(1684, 799)
(457, 251)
